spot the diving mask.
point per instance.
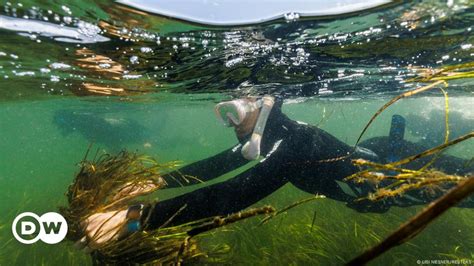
(233, 113)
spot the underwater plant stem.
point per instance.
(417, 223)
(433, 150)
(266, 219)
(446, 115)
(446, 128)
(174, 215)
(392, 101)
(312, 221)
(455, 76)
(380, 110)
(219, 222)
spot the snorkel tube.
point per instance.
(251, 149)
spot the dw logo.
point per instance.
(50, 228)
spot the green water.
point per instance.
(49, 118)
(38, 163)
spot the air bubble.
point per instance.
(292, 16)
(146, 50)
(134, 60)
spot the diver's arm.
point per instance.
(206, 169)
(233, 158)
(223, 198)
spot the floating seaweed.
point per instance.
(112, 182)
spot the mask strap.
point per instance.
(251, 149)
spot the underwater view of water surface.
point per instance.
(101, 77)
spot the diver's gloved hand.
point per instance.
(101, 228)
(104, 227)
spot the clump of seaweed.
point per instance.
(113, 182)
(105, 183)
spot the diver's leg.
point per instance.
(448, 164)
(396, 147)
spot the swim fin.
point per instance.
(395, 137)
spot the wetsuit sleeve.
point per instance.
(206, 169)
(222, 198)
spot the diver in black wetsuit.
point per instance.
(291, 152)
(297, 153)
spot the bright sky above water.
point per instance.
(237, 12)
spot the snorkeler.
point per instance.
(287, 152)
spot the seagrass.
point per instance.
(104, 184)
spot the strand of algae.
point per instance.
(395, 99)
(446, 128)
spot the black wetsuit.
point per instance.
(292, 152)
